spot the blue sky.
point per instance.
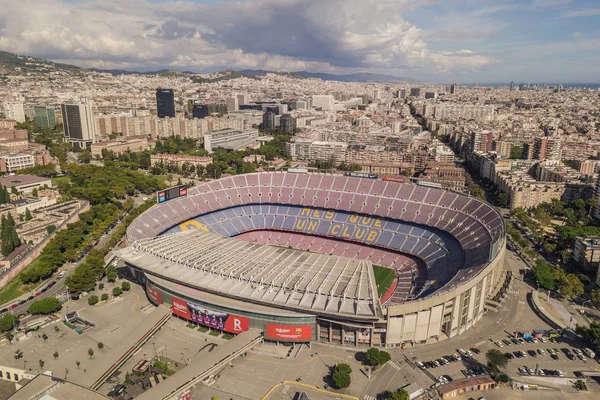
(438, 40)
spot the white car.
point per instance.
(543, 340)
(560, 373)
(541, 373)
(457, 356)
(541, 352)
(499, 343)
(577, 351)
(436, 363)
(534, 340)
(551, 351)
(581, 357)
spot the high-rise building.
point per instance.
(79, 124)
(269, 121)
(232, 104)
(323, 101)
(243, 99)
(546, 148)
(14, 110)
(512, 85)
(453, 88)
(430, 95)
(165, 103)
(287, 124)
(44, 116)
(480, 141)
(415, 92)
(376, 94)
(200, 111)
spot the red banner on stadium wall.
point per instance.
(213, 319)
(293, 332)
(180, 308)
(154, 294)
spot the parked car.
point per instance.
(541, 352)
(509, 356)
(532, 353)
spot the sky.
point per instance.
(465, 41)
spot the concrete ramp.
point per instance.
(203, 365)
(105, 366)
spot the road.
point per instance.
(60, 286)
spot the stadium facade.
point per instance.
(293, 254)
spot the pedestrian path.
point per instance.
(367, 397)
(394, 365)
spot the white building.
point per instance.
(323, 101)
(14, 110)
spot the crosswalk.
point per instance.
(594, 396)
(394, 365)
(367, 397)
(514, 292)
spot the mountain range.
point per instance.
(14, 64)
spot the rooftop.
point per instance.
(295, 279)
(18, 180)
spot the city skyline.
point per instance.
(465, 41)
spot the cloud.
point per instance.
(549, 3)
(332, 35)
(590, 12)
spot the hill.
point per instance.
(14, 64)
(17, 64)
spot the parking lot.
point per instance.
(562, 357)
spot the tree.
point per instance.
(47, 305)
(8, 322)
(341, 375)
(41, 362)
(104, 296)
(90, 353)
(55, 355)
(399, 394)
(596, 297)
(495, 360)
(34, 192)
(28, 216)
(45, 337)
(100, 345)
(111, 273)
(570, 285)
(377, 357)
(50, 229)
(92, 300)
(78, 363)
(125, 286)
(85, 156)
(117, 291)
(543, 275)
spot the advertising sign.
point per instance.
(171, 193)
(207, 317)
(153, 294)
(292, 332)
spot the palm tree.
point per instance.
(100, 345)
(91, 353)
(55, 355)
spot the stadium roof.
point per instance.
(294, 279)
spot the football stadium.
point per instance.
(315, 257)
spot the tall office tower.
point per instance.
(545, 148)
(596, 210)
(269, 120)
(243, 99)
(165, 103)
(512, 85)
(402, 93)
(44, 116)
(480, 141)
(287, 124)
(430, 95)
(79, 124)
(415, 92)
(200, 111)
(453, 88)
(376, 94)
(14, 110)
(232, 104)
